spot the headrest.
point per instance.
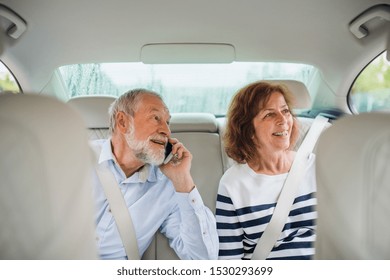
(45, 187)
(353, 175)
(193, 122)
(93, 108)
(302, 99)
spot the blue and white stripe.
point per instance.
(245, 204)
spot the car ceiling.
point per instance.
(315, 32)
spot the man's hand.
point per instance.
(178, 168)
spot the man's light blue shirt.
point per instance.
(154, 205)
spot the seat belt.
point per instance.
(287, 195)
(118, 208)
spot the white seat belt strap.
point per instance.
(287, 195)
(119, 210)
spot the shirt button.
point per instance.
(193, 200)
(109, 210)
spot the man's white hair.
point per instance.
(127, 103)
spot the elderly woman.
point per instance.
(261, 131)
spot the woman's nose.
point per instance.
(281, 120)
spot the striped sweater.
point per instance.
(245, 203)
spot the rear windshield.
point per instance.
(184, 87)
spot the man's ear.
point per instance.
(122, 122)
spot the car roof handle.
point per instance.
(357, 25)
(18, 24)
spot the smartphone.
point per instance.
(168, 153)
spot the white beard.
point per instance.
(143, 150)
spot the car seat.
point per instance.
(46, 205)
(353, 174)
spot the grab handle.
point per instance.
(18, 26)
(357, 25)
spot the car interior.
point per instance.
(70, 60)
(201, 133)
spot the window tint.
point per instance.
(184, 87)
(7, 80)
(371, 89)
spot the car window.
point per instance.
(7, 80)
(371, 89)
(184, 87)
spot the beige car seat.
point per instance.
(46, 205)
(353, 175)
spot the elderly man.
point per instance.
(158, 196)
